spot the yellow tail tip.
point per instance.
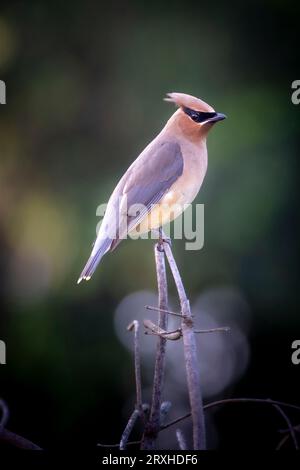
(86, 278)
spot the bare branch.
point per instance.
(16, 440)
(232, 401)
(191, 359)
(283, 441)
(284, 431)
(10, 437)
(289, 424)
(153, 425)
(155, 330)
(128, 429)
(140, 408)
(181, 440)
(213, 330)
(176, 334)
(164, 410)
(5, 413)
(176, 420)
(137, 366)
(251, 400)
(169, 312)
(130, 443)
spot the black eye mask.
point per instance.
(198, 116)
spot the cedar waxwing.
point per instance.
(165, 177)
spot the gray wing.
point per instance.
(149, 178)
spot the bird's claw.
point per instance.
(163, 239)
(167, 240)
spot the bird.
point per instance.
(165, 177)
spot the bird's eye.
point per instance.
(195, 116)
(198, 116)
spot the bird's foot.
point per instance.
(162, 238)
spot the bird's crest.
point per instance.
(188, 101)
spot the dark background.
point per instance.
(85, 82)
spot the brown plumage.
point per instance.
(167, 175)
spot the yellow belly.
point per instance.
(161, 214)
(181, 194)
(171, 206)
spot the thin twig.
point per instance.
(153, 329)
(232, 401)
(284, 431)
(5, 413)
(282, 442)
(225, 402)
(170, 336)
(176, 420)
(251, 400)
(181, 440)
(128, 429)
(16, 440)
(10, 437)
(289, 424)
(130, 443)
(174, 335)
(153, 425)
(214, 330)
(191, 359)
(164, 410)
(137, 366)
(287, 434)
(169, 312)
(139, 411)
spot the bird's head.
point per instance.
(194, 116)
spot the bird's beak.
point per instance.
(217, 117)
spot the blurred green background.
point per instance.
(85, 82)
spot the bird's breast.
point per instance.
(194, 170)
(182, 192)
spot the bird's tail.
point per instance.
(94, 260)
